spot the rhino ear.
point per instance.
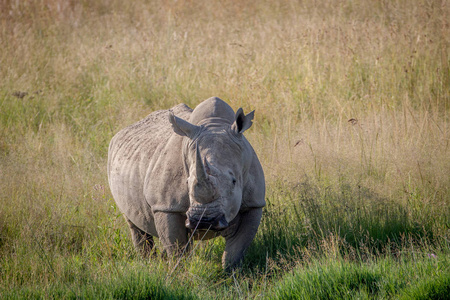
(182, 127)
(242, 122)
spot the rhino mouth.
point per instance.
(216, 224)
(201, 218)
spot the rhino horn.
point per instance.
(205, 188)
(200, 171)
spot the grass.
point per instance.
(384, 278)
(351, 126)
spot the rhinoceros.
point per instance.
(181, 172)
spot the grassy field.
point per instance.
(352, 128)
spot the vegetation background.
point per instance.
(352, 102)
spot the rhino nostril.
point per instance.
(193, 223)
(221, 223)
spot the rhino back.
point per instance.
(131, 151)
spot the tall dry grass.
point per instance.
(352, 117)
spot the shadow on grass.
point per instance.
(307, 217)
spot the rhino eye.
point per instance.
(234, 181)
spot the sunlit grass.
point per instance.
(351, 126)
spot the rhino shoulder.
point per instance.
(255, 187)
(131, 151)
(165, 184)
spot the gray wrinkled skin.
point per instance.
(183, 170)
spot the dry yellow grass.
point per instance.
(354, 92)
(307, 68)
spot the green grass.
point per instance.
(125, 282)
(419, 277)
(352, 103)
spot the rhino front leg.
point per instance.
(237, 241)
(171, 231)
(143, 242)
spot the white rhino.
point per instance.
(173, 176)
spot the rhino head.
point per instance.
(216, 159)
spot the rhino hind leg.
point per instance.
(143, 242)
